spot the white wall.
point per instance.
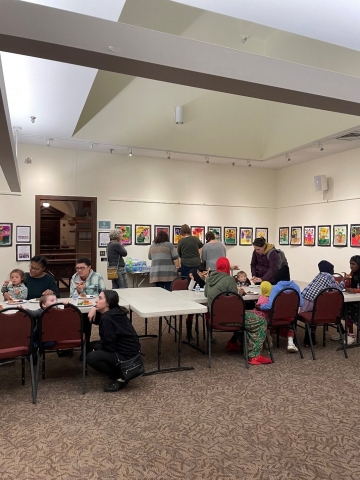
(299, 204)
(149, 191)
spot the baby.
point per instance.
(15, 287)
(265, 290)
(242, 280)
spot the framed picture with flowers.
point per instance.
(261, 233)
(142, 234)
(295, 235)
(355, 235)
(176, 234)
(198, 232)
(324, 235)
(162, 228)
(340, 235)
(309, 236)
(284, 236)
(230, 235)
(246, 236)
(216, 231)
(126, 238)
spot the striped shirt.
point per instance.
(162, 256)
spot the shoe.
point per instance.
(307, 344)
(292, 348)
(335, 337)
(264, 360)
(115, 386)
(351, 339)
(233, 346)
(65, 353)
(254, 361)
(5, 362)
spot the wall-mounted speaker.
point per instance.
(320, 183)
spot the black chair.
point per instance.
(64, 326)
(283, 314)
(16, 340)
(327, 312)
(227, 314)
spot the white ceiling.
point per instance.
(139, 113)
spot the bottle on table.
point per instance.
(197, 288)
(75, 297)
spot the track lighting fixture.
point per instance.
(321, 147)
(91, 145)
(32, 118)
(48, 142)
(207, 159)
(248, 163)
(168, 155)
(130, 152)
(233, 164)
(179, 116)
(288, 157)
(111, 150)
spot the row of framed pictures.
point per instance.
(23, 234)
(142, 234)
(307, 236)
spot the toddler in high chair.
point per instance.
(15, 287)
(242, 279)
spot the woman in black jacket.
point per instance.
(119, 340)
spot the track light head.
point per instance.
(249, 163)
(91, 145)
(111, 150)
(32, 118)
(168, 154)
(207, 159)
(321, 147)
(130, 152)
(233, 164)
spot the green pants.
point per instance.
(256, 333)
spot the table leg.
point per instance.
(195, 347)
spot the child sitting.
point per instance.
(265, 290)
(15, 287)
(241, 279)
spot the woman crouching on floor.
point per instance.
(119, 340)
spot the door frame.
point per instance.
(42, 198)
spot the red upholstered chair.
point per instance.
(227, 315)
(327, 312)
(65, 327)
(284, 312)
(16, 340)
(180, 283)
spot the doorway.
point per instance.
(65, 229)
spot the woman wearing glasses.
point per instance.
(37, 281)
(85, 280)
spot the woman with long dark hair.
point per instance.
(164, 261)
(119, 340)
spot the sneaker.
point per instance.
(254, 361)
(292, 348)
(4, 362)
(115, 386)
(264, 360)
(233, 346)
(335, 337)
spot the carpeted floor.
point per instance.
(295, 419)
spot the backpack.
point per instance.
(281, 257)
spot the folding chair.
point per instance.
(227, 315)
(180, 283)
(16, 340)
(64, 326)
(327, 312)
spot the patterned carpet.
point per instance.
(295, 419)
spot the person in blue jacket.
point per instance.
(284, 283)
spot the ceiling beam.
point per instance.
(8, 161)
(59, 35)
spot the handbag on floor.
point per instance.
(132, 368)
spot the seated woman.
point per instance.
(284, 283)
(220, 281)
(323, 280)
(119, 340)
(37, 281)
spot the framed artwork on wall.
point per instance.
(198, 232)
(246, 236)
(309, 236)
(103, 239)
(142, 234)
(324, 235)
(162, 228)
(176, 234)
(340, 234)
(23, 253)
(261, 233)
(6, 230)
(216, 231)
(126, 233)
(230, 235)
(104, 224)
(284, 236)
(355, 235)
(295, 235)
(23, 234)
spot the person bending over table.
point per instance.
(264, 262)
(284, 283)
(220, 281)
(86, 282)
(189, 250)
(37, 281)
(118, 339)
(323, 280)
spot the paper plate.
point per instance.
(82, 304)
(34, 300)
(15, 302)
(87, 296)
